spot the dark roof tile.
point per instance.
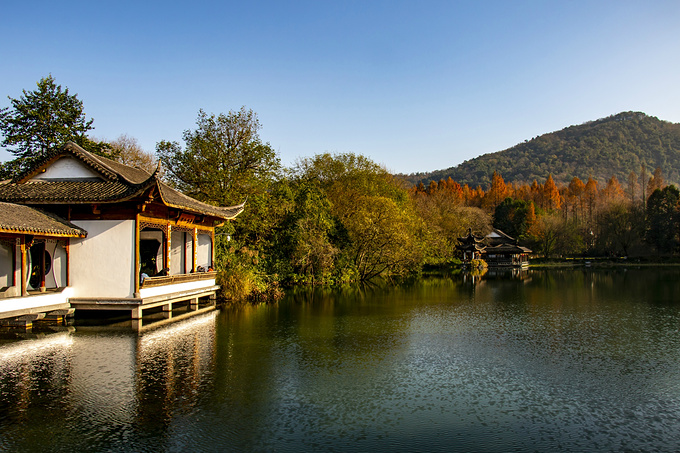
(16, 218)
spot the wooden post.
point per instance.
(17, 243)
(185, 252)
(168, 247)
(67, 247)
(137, 271)
(212, 249)
(24, 291)
(194, 250)
(41, 265)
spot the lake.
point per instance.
(570, 360)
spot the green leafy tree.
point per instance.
(620, 229)
(307, 236)
(43, 119)
(382, 239)
(375, 228)
(224, 162)
(514, 217)
(662, 218)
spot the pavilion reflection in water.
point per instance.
(114, 378)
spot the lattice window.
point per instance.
(158, 226)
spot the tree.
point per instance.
(613, 192)
(656, 181)
(41, 120)
(371, 209)
(662, 217)
(514, 217)
(590, 194)
(619, 228)
(224, 162)
(382, 239)
(497, 193)
(575, 196)
(306, 234)
(632, 186)
(551, 196)
(444, 221)
(127, 151)
(554, 236)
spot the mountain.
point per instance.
(612, 146)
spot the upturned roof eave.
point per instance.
(38, 232)
(214, 211)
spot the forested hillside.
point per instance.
(612, 146)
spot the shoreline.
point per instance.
(600, 263)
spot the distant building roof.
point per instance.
(470, 238)
(117, 182)
(507, 248)
(18, 219)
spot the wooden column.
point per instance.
(137, 271)
(24, 291)
(212, 249)
(17, 244)
(185, 251)
(41, 265)
(67, 247)
(168, 247)
(194, 250)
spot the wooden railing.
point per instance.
(179, 278)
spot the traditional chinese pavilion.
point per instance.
(105, 235)
(497, 249)
(502, 250)
(471, 246)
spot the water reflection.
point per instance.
(577, 360)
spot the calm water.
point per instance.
(558, 360)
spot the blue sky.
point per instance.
(414, 85)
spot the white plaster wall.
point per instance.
(204, 251)
(189, 252)
(177, 248)
(102, 264)
(6, 265)
(56, 277)
(67, 168)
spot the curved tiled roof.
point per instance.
(118, 182)
(507, 248)
(73, 191)
(176, 199)
(16, 218)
